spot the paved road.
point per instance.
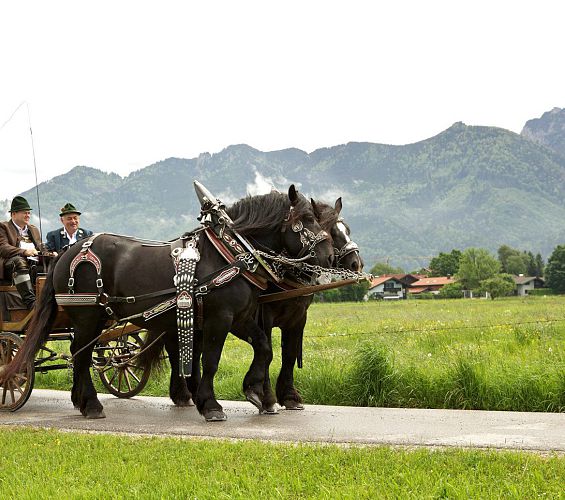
(334, 424)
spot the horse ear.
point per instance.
(315, 207)
(338, 206)
(292, 195)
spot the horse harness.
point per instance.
(242, 260)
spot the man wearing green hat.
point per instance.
(19, 242)
(70, 232)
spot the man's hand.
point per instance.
(31, 252)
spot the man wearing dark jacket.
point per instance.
(19, 241)
(70, 232)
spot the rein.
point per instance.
(303, 290)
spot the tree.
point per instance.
(445, 264)
(539, 266)
(382, 268)
(476, 265)
(349, 293)
(500, 285)
(515, 265)
(555, 269)
(530, 261)
(504, 252)
(515, 262)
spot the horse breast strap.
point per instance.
(86, 255)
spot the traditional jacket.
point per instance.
(10, 243)
(58, 239)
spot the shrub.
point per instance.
(451, 291)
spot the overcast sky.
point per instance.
(120, 85)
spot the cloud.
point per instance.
(261, 185)
(264, 185)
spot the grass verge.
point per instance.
(51, 464)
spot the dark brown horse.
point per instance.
(290, 315)
(133, 268)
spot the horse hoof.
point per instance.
(269, 410)
(254, 399)
(293, 405)
(215, 416)
(92, 414)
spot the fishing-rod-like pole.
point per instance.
(35, 170)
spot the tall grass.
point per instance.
(507, 354)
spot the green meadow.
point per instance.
(39, 464)
(506, 354)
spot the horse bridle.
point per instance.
(346, 249)
(308, 238)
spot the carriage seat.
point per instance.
(12, 307)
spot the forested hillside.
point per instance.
(548, 130)
(467, 186)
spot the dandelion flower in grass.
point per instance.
(429, 355)
(550, 349)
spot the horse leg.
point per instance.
(268, 400)
(178, 388)
(265, 321)
(214, 336)
(287, 395)
(83, 393)
(254, 380)
(193, 381)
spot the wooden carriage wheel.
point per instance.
(119, 370)
(15, 391)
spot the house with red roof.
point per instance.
(390, 286)
(431, 285)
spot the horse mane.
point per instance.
(326, 215)
(254, 215)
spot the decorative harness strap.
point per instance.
(232, 251)
(86, 255)
(185, 259)
(189, 291)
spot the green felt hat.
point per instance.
(69, 208)
(19, 204)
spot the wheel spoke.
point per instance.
(126, 377)
(132, 373)
(12, 393)
(114, 373)
(120, 378)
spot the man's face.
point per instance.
(71, 222)
(21, 218)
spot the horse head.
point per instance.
(283, 224)
(302, 234)
(346, 251)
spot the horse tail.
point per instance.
(37, 331)
(151, 357)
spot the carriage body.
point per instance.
(113, 356)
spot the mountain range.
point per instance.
(467, 186)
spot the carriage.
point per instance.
(263, 238)
(113, 358)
